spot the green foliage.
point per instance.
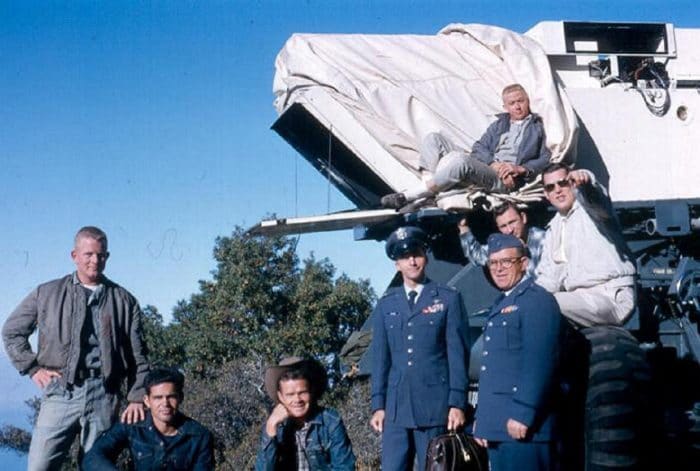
(260, 304)
(14, 438)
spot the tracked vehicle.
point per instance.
(620, 99)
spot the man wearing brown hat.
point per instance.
(299, 434)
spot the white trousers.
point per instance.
(604, 304)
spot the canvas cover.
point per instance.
(402, 87)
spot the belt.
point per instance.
(87, 373)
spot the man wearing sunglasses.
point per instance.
(585, 262)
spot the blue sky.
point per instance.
(151, 120)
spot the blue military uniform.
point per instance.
(518, 378)
(419, 364)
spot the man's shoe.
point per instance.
(394, 200)
(420, 203)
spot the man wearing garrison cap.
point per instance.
(419, 357)
(518, 378)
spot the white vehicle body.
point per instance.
(357, 106)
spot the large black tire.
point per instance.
(616, 398)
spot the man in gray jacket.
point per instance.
(511, 152)
(90, 341)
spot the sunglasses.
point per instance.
(563, 183)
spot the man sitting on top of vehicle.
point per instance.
(511, 152)
(585, 261)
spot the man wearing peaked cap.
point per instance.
(405, 240)
(419, 357)
(518, 378)
(300, 434)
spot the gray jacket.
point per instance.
(58, 309)
(533, 153)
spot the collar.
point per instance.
(184, 425)
(76, 280)
(315, 418)
(525, 120)
(418, 289)
(507, 293)
(573, 209)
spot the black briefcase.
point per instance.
(456, 452)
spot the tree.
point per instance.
(260, 305)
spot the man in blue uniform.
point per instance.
(419, 357)
(518, 379)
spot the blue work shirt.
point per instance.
(190, 449)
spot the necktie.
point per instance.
(412, 298)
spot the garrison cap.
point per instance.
(406, 240)
(498, 242)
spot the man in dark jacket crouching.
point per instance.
(167, 439)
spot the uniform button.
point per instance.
(410, 363)
(410, 324)
(483, 368)
(487, 338)
(515, 389)
(410, 337)
(505, 323)
(410, 350)
(485, 353)
(490, 324)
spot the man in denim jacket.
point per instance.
(299, 434)
(167, 439)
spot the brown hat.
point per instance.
(312, 370)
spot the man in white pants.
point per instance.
(585, 261)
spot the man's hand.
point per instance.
(496, 166)
(42, 377)
(579, 177)
(463, 226)
(455, 419)
(481, 441)
(133, 413)
(377, 420)
(279, 414)
(509, 182)
(516, 430)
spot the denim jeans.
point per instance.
(65, 412)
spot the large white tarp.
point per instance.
(402, 87)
